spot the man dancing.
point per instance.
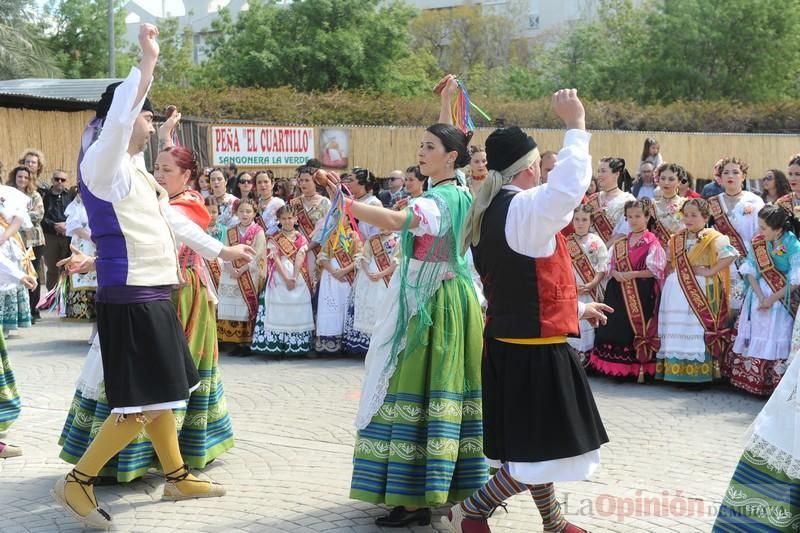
(540, 421)
(146, 362)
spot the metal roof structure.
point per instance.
(53, 94)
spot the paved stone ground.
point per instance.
(290, 469)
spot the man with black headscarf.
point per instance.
(147, 367)
(540, 421)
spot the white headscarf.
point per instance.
(480, 203)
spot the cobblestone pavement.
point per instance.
(290, 469)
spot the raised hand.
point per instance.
(569, 108)
(148, 40)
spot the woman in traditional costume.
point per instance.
(204, 426)
(15, 307)
(310, 208)
(771, 272)
(762, 493)
(735, 215)
(589, 257)
(239, 285)
(285, 321)
(626, 345)
(693, 314)
(24, 180)
(608, 205)
(268, 204)
(419, 443)
(667, 207)
(791, 201)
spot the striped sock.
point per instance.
(544, 495)
(498, 489)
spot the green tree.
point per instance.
(80, 38)
(311, 45)
(23, 52)
(175, 65)
(746, 50)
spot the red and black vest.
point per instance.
(527, 297)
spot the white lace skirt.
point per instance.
(368, 298)
(776, 430)
(763, 333)
(680, 331)
(332, 303)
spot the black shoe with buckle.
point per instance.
(402, 517)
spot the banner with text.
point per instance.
(255, 146)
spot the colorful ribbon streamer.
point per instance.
(462, 118)
(336, 221)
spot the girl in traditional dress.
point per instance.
(24, 180)
(364, 186)
(735, 215)
(590, 264)
(204, 427)
(771, 272)
(423, 364)
(693, 314)
(203, 185)
(240, 285)
(82, 287)
(626, 345)
(268, 204)
(215, 228)
(225, 201)
(375, 264)
(285, 322)
(310, 209)
(337, 262)
(608, 220)
(15, 307)
(667, 219)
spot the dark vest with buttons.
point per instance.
(527, 297)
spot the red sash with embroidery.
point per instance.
(246, 284)
(215, 271)
(774, 277)
(382, 259)
(288, 249)
(716, 335)
(724, 225)
(645, 333)
(601, 222)
(305, 222)
(661, 232)
(581, 263)
(343, 258)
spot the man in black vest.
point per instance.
(540, 421)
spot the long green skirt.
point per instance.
(204, 427)
(759, 499)
(9, 397)
(425, 445)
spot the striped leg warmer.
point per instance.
(498, 489)
(545, 497)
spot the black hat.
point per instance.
(105, 101)
(506, 146)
